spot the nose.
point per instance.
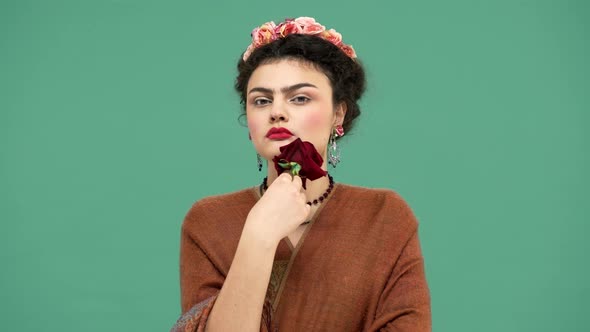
(278, 113)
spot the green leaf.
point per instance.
(295, 169)
(285, 164)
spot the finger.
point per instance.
(286, 177)
(308, 211)
(297, 182)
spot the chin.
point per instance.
(282, 142)
(271, 150)
(272, 147)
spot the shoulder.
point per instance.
(228, 199)
(377, 205)
(373, 197)
(360, 191)
(217, 209)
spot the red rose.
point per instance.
(304, 154)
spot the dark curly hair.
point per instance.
(346, 76)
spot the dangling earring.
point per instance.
(259, 162)
(333, 148)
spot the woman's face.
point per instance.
(292, 95)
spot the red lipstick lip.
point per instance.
(278, 133)
(279, 136)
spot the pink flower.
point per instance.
(348, 50)
(309, 25)
(248, 52)
(287, 28)
(332, 36)
(264, 34)
(269, 32)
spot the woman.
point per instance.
(300, 252)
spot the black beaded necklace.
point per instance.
(264, 186)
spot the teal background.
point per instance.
(110, 122)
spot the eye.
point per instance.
(300, 100)
(262, 101)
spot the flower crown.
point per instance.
(269, 32)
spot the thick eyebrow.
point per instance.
(285, 90)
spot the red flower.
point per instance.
(305, 155)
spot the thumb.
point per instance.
(297, 182)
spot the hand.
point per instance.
(281, 209)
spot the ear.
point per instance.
(339, 113)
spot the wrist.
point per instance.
(255, 234)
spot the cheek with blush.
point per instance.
(316, 121)
(317, 127)
(252, 127)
